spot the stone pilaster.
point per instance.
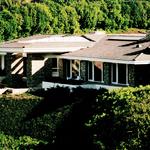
(106, 72)
(84, 70)
(61, 68)
(131, 75)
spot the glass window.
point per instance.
(122, 73)
(98, 66)
(114, 73)
(54, 62)
(75, 68)
(90, 76)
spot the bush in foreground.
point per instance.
(122, 119)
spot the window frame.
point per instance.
(93, 72)
(117, 74)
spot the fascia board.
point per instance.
(11, 50)
(51, 50)
(107, 60)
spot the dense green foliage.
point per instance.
(24, 142)
(25, 17)
(17, 131)
(122, 119)
(83, 118)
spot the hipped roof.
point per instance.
(48, 44)
(110, 49)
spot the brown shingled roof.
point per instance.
(113, 50)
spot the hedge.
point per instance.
(122, 119)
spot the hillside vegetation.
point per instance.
(84, 118)
(21, 18)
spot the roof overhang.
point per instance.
(11, 50)
(2, 53)
(106, 60)
(39, 50)
(51, 50)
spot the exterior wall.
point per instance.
(17, 63)
(61, 68)
(42, 71)
(37, 70)
(14, 71)
(131, 75)
(8, 79)
(106, 73)
(84, 70)
(48, 70)
(29, 70)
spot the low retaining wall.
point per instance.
(47, 85)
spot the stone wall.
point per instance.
(29, 70)
(8, 79)
(84, 70)
(61, 68)
(63, 75)
(13, 78)
(33, 78)
(48, 70)
(43, 73)
(106, 72)
(131, 75)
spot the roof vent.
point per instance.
(138, 45)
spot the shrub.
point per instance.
(24, 142)
(122, 119)
(25, 115)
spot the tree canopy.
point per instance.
(27, 17)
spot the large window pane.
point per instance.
(114, 73)
(90, 71)
(98, 71)
(122, 73)
(75, 68)
(54, 62)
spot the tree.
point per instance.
(9, 23)
(26, 25)
(43, 18)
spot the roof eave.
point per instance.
(38, 50)
(11, 50)
(106, 60)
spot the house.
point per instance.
(122, 60)
(26, 62)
